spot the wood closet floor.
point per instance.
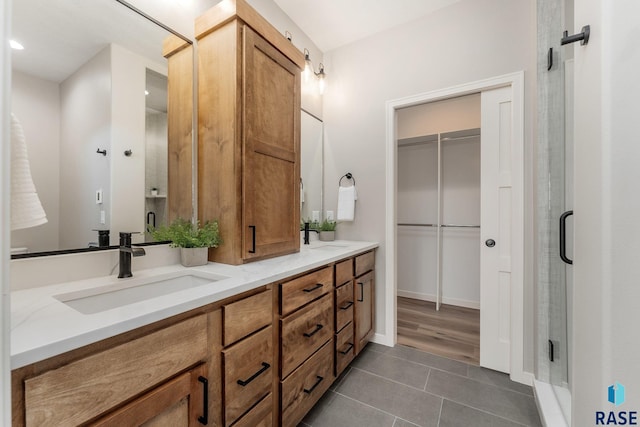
(452, 332)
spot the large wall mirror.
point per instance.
(89, 90)
(311, 167)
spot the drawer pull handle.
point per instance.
(317, 286)
(265, 366)
(204, 419)
(349, 304)
(348, 349)
(361, 292)
(319, 380)
(253, 239)
(312, 333)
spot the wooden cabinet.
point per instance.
(229, 363)
(306, 330)
(355, 307)
(179, 56)
(180, 402)
(215, 364)
(249, 133)
(364, 310)
(248, 362)
(92, 386)
(364, 290)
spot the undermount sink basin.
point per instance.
(118, 294)
(329, 246)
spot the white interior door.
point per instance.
(496, 229)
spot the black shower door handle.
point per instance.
(563, 236)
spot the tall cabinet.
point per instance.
(248, 133)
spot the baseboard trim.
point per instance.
(445, 300)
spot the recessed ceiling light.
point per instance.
(15, 45)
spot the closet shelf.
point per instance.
(445, 136)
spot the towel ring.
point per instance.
(348, 176)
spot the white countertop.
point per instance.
(43, 326)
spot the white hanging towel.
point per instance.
(26, 209)
(347, 197)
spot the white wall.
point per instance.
(468, 41)
(36, 104)
(607, 208)
(85, 127)
(128, 75)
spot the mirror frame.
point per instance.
(111, 247)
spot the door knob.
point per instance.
(490, 243)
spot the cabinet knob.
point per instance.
(490, 243)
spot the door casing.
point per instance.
(516, 82)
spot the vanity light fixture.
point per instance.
(15, 45)
(308, 70)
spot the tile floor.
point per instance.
(402, 387)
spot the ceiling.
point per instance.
(334, 23)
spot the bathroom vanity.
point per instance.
(248, 345)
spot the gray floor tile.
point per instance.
(498, 379)
(341, 411)
(377, 347)
(340, 378)
(402, 401)
(428, 359)
(317, 409)
(402, 371)
(456, 415)
(402, 423)
(495, 400)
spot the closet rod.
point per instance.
(455, 138)
(460, 226)
(417, 225)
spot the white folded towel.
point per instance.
(26, 209)
(347, 197)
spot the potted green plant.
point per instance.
(192, 239)
(327, 230)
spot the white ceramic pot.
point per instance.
(327, 236)
(193, 257)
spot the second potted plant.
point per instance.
(193, 240)
(327, 230)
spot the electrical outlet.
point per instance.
(329, 215)
(103, 218)
(315, 216)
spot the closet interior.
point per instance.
(438, 227)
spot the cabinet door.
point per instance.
(179, 402)
(365, 309)
(271, 147)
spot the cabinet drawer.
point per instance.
(260, 415)
(86, 388)
(345, 351)
(302, 290)
(344, 272)
(344, 305)
(365, 262)
(242, 318)
(305, 331)
(306, 385)
(248, 373)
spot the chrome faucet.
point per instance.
(126, 252)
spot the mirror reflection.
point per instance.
(89, 92)
(311, 167)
